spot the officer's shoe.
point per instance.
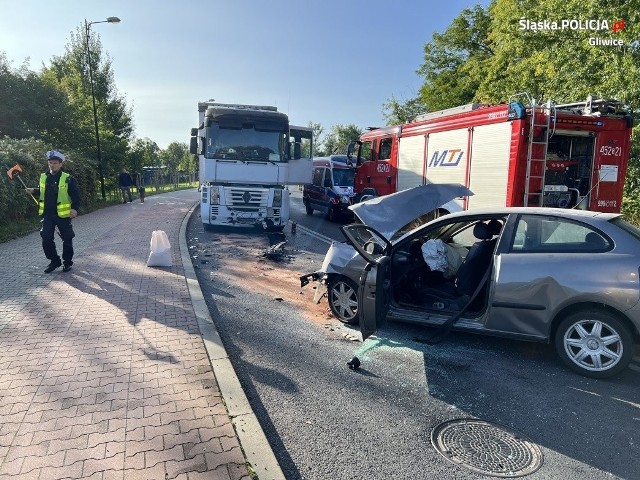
(52, 266)
(67, 266)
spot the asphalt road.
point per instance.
(325, 421)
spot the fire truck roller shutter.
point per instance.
(410, 161)
(489, 166)
(446, 159)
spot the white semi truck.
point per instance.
(248, 154)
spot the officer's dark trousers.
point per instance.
(47, 233)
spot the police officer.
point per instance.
(58, 200)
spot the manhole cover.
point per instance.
(486, 448)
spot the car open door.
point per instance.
(374, 291)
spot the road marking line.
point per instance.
(627, 402)
(317, 235)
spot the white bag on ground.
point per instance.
(160, 255)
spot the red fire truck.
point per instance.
(512, 154)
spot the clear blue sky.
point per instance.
(326, 61)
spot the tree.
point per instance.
(560, 64)
(32, 107)
(176, 157)
(143, 152)
(455, 61)
(316, 133)
(396, 113)
(339, 137)
(70, 73)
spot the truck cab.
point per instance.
(331, 188)
(375, 155)
(248, 155)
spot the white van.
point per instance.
(331, 190)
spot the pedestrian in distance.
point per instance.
(126, 182)
(141, 190)
(58, 202)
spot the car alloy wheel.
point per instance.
(343, 299)
(595, 344)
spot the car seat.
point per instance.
(594, 241)
(478, 259)
(454, 296)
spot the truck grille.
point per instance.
(246, 199)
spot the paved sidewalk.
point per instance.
(104, 371)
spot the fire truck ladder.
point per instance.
(542, 121)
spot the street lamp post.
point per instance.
(87, 27)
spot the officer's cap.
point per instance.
(55, 155)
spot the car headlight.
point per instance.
(214, 195)
(344, 199)
(277, 198)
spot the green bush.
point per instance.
(15, 205)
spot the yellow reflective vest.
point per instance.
(64, 200)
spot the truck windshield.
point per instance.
(244, 144)
(343, 177)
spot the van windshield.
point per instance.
(343, 177)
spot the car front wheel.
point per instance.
(595, 344)
(343, 299)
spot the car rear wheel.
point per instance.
(595, 344)
(343, 299)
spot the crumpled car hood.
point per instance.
(390, 213)
(337, 257)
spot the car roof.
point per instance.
(333, 161)
(561, 212)
(333, 158)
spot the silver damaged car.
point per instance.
(402, 211)
(569, 277)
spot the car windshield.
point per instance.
(418, 222)
(343, 177)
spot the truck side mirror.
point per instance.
(193, 146)
(194, 132)
(350, 149)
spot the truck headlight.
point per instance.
(277, 198)
(214, 195)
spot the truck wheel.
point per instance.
(594, 343)
(308, 207)
(343, 299)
